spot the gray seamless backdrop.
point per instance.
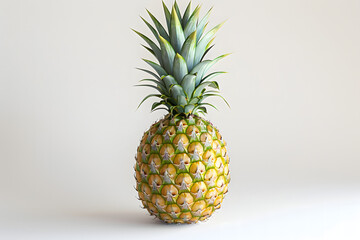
(69, 127)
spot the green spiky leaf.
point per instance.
(147, 97)
(156, 67)
(203, 43)
(169, 81)
(199, 89)
(189, 108)
(153, 46)
(194, 101)
(203, 109)
(166, 109)
(202, 25)
(215, 95)
(149, 72)
(167, 54)
(188, 50)
(206, 52)
(192, 22)
(208, 104)
(167, 16)
(180, 68)
(155, 105)
(179, 110)
(177, 9)
(188, 84)
(152, 29)
(161, 86)
(178, 94)
(212, 75)
(186, 16)
(149, 49)
(176, 34)
(204, 66)
(159, 27)
(153, 81)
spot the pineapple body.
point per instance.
(182, 169)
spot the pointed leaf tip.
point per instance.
(168, 54)
(161, 30)
(204, 42)
(186, 15)
(167, 15)
(192, 22)
(176, 31)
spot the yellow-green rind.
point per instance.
(182, 169)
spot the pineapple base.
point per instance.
(182, 169)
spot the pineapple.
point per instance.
(182, 165)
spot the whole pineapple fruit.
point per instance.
(181, 169)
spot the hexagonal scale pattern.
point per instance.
(182, 169)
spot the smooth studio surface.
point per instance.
(69, 126)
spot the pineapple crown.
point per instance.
(180, 76)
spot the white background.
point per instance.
(69, 127)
